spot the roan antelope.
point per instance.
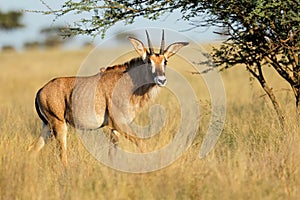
(67, 100)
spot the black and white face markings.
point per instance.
(158, 66)
(156, 61)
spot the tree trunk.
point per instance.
(296, 85)
(296, 90)
(261, 79)
(275, 103)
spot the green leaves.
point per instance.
(255, 29)
(101, 15)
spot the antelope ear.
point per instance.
(172, 49)
(139, 47)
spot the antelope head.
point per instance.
(156, 62)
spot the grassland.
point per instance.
(253, 159)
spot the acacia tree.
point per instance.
(259, 32)
(10, 20)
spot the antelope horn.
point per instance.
(162, 45)
(149, 44)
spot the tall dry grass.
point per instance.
(253, 159)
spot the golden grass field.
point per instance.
(253, 159)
